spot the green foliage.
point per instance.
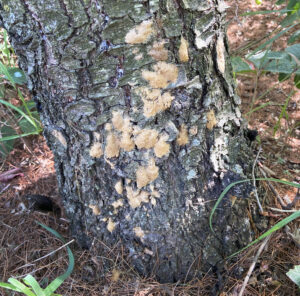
(294, 275)
(285, 63)
(31, 287)
(15, 121)
(17, 75)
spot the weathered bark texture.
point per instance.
(138, 106)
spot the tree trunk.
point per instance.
(139, 108)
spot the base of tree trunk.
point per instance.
(139, 108)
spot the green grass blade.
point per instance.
(294, 275)
(283, 112)
(242, 181)
(5, 72)
(258, 108)
(9, 286)
(270, 41)
(265, 12)
(9, 138)
(59, 280)
(220, 199)
(31, 281)
(26, 108)
(19, 111)
(21, 287)
(276, 227)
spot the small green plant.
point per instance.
(31, 287)
(294, 275)
(15, 121)
(263, 59)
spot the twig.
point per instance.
(273, 189)
(253, 265)
(254, 183)
(185, 279)
(35, 270)
(6, 187)
(51, 253)
(237, 14)
(267, 170)
(6, 225)
(282, 211)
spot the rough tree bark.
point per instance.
(138, 105)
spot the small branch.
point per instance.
(253, 265)
(282, 211)
(254, 183)
(51, 253)
(5, 188)
(267, 170)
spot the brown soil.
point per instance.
(105, 271)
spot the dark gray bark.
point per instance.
(139, 108)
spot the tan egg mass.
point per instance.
(112, 148)
(140, 33)
(136, 197)
(146, 138)
(146, 175)
(183, 137)
(211, 119)
(161, 148)
(158, 52)
(183, 50)
(154, 101)
(96, 150)
(163, 75)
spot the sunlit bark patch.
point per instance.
(95, 209)
(139, 232)
(221, 54)
(58, 135)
